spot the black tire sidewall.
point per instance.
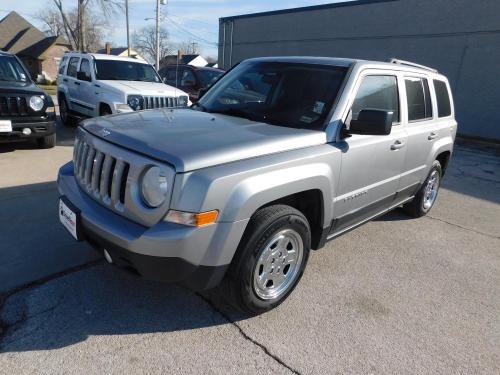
(290, 219)
(436, 166)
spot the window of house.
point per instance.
(377, 92)
(73, 66)
(419, 99)
(443, 98)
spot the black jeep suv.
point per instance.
(26, 112)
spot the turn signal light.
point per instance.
(193, 219)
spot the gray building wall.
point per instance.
(461, 38)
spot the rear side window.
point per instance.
(62, 65)
(73, 66)
(419, 99)
(85, 67)
(377, 92)
(443, 98)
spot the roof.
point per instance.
(185, 59)
(102, 56)
(18, 36)
(306, 9)
(346, 63)
(116, 51)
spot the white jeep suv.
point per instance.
(90, 85)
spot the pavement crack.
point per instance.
(246, 336)
(462, 227)
(6, 327)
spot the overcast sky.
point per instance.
(195, 20)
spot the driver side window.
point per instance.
(377, 92)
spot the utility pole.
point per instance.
(158, 15)
(128, 29)
(81, 25)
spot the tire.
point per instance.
(426, 197)
(66, 118)
(260, 257)
(105, 110)
(47, 142)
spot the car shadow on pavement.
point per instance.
(100, 301)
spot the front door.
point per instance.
(371, 164)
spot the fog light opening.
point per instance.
(26, 131)
(107, 256)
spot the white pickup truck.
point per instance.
(92, 85)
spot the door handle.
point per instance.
(432, 136)
(65, 79)
(77, 83)
(398, 145)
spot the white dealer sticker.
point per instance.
(68, 219)
(5, 126)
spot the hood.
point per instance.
(143, 88)
(191, 140)
(20, 88)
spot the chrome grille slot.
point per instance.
(151, 102)
(111, 175)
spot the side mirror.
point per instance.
(82, 76)
(372, 122)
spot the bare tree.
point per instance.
(144, 42)
(86, 22)
(60, 22)
(189, 47)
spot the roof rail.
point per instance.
(408, 63)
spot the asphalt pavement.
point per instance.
(397, 295)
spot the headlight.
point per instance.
(182, 101)
(154, 187)
(135, 102)
(36, 103)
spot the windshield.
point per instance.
(286, 94)
(125, 71)
(208, 77)
(11, 70)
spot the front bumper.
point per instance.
(196, 257)
(38, 129)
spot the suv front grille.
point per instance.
(101, 175)
(13, 106)
(111, 175)
(151, 102)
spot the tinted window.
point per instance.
(208, 77)
(443, 99)
(419, 99)
(170, 76)
(85, 67)
(62, 65)
(188, 77)
(125, 71)
(377, 92)
(73, 66)
(279, 93)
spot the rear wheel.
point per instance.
(270, 260)
(47, 142)
(64, 114)
(426, 197)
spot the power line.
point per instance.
(197, 37)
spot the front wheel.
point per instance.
(270, 260)
(48, 141)
(426, 197)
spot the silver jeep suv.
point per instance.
(280, 156)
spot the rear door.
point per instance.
(70, 80)
(422, 132)
(86, 96)
(371, 165)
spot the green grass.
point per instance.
(49, 89)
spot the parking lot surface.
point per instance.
(397, 295)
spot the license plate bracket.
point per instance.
(70, 217)
(5, 126)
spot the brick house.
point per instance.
(40, 53)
